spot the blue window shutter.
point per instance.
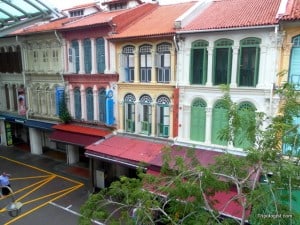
(59, 95)
(102, 106)
(87, 56)
(294, 73)
(75, 45)
(109, 111)
(100, 51)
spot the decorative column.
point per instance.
(153, 120)
(137, 118)
(3, 103)
(96, 103)
(186, 122)
(261, 83)
(171, 121)
(153, 68)
(121, 116)
(136, 67)
(72, 101)
(83, 102)
(172, 67)
(35, 141)
(72, 154)
(209, 66)
(234, 66)
(11, 97)
(94, 57)
(208, 125)
(81, 57)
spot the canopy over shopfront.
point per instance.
(15, 14)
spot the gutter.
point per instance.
(226, 29)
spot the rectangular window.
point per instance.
(198, 66)
(222, 67)
(130, 116)
(163, 64)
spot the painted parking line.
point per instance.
(37, 190)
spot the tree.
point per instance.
(64, 114)
(185, 192)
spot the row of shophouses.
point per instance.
(138, 76)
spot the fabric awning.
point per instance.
(125, 150)
(39, 124)
(73, 138)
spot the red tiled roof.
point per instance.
(82, 130)
(118, 18)
(128, 148)
(292, 10)
(48, 26)
(73, 138)
(159, 21)
(235, 13)
(205, 157)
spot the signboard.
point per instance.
(8, 131)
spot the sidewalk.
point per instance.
(53, 162)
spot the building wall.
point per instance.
(260, 95)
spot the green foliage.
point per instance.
(182, 194)
(64, 114)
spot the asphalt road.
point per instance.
(43, 188)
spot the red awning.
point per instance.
(125, 149)
(82, 129)
(73, 138)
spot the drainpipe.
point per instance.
(176, 48)
(24, 76)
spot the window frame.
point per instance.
(199, 45)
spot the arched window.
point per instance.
(219, 122)
(127, 62)
(163, 115)
(244, 137)
(198, 120)
(87, 55)
(249, 55)
(145, 63)
(198, 69)
(90, 104)
(222, 61)
(163, 63)
(100, 55)
(77, 101)
(294, 71)
(146, 114)
(75, 55)
(102, 105)
(129, 111)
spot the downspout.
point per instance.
(176, 52)
(24, 77)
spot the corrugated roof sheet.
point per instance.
(235, 13)
(292, 10)
(159, 21)
(82, 130)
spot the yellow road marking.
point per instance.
(38, 185)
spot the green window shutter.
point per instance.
(220, 121)
(198, 121)
(249, 55)
(198, 68)
(294, 71)
(246, 115)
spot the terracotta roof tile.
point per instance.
(235, 13)
(129, 148)
(120, 17)
(45, 27)
(292, 10)
(159, 21)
